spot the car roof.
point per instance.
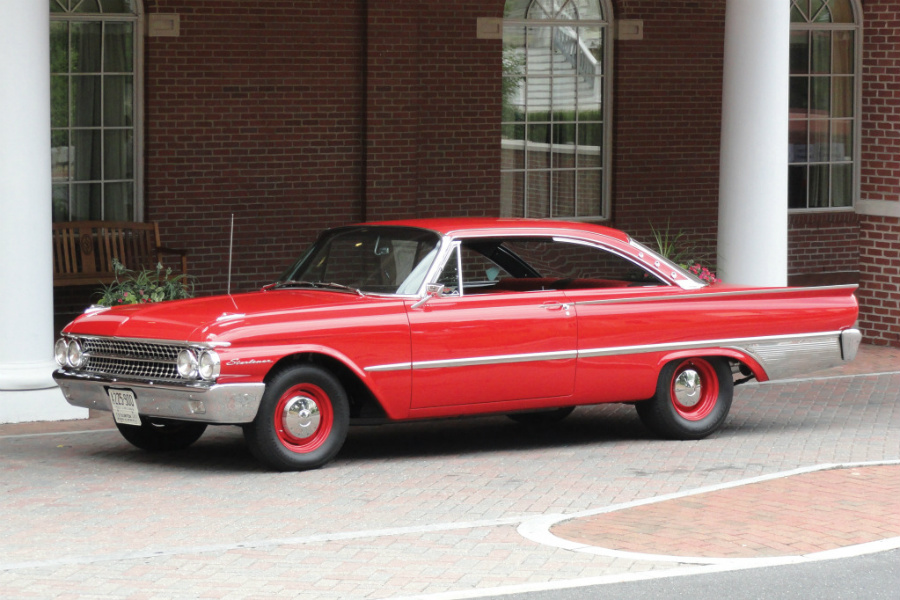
(454, 226)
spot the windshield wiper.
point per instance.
(318, 285)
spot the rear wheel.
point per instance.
(693, 397)
(302, 420)
(159, 435)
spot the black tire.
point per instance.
(540, 418)
(161, 435)
(693, 397)
(302, 421)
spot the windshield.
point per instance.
(370, 259)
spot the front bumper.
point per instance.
(221, 404)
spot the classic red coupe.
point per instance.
(422, 319)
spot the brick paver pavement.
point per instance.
(413, 509)
(796, 515)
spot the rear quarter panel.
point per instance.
(626, 336)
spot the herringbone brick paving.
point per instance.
(411, 509)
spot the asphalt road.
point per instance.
(870, 577)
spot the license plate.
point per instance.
(124, 407)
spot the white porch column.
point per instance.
(752, 244)
(27, 392)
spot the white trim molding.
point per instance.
(878, 208)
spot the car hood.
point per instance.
(217, 318)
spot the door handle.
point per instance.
(557, 306)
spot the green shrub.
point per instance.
(142, 287)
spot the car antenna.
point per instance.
(230, 251)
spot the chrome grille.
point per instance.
(130, 349)
(131, 359)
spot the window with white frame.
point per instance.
(94, 110)
(823, 152)
(555, 121)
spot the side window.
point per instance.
(479, 270)
(449, 276)
(579, 265)
(534, 264)
(479, 273)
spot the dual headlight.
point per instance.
(203, 364)
(69, 354)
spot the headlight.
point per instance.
(60, 351)
(209, 366)
(187, 364)
(75, 355)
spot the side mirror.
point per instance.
(431, 290)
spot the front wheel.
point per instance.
(160, 435)
(693, 397)
(302, 421)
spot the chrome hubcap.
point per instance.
(688, 388)
(301, 416)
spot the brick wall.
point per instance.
(433, 110)
(879, 294)
(825, 243)
(299, 115)
(667, 119)
(256, 110)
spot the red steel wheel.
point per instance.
(303, 417)
(302, 420)
(694, 389)
(693, 397)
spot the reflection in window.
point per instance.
(822, 150)
(92, 106)
(555, 71)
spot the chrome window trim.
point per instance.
(653, 263)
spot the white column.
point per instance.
(27, 392)
(753, 218)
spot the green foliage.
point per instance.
(675, 247)
(142, 287)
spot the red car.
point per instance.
(436, 318)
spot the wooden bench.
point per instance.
(83, 251)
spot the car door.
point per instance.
(480, 342)
(625, 311)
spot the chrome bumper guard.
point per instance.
(222, 404)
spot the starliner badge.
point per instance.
(237, 362)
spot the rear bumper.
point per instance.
(221, 404)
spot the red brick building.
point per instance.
(295, 115)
